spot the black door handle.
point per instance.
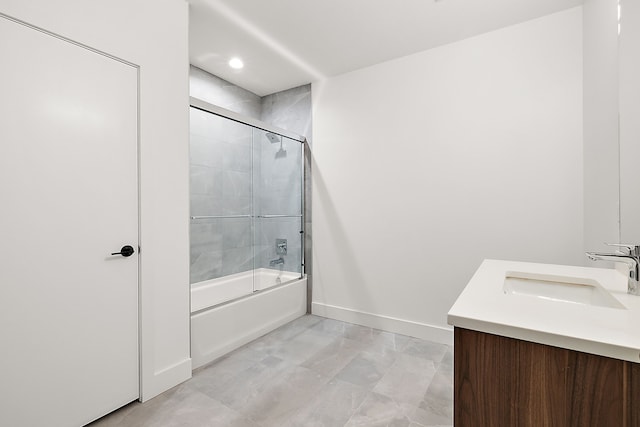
(125, 251)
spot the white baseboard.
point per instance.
(166, 378)
(386, 323)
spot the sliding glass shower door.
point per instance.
(277, 207)
(221, 195)
(246, 224)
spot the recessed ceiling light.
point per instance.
(236, 63)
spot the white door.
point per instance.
(68, 199)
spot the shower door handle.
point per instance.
(126, 251)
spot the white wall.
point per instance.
(426, 165)
(601, 170)
(629, 122)
(153, 35)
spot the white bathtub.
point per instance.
(224, 289)
(227, 313)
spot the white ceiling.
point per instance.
(288, 43)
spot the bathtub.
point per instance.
(224, 289)
(231, 311)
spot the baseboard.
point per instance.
(165, 379)
(386, 323)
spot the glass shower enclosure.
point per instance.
(246, 196)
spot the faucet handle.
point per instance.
(632, 249)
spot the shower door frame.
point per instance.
(199, 104)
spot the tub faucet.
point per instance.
(630, 255)
(275, 262)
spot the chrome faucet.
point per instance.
(275, 262)
(630, 255)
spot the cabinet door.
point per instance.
(501, 381)
(69, 191)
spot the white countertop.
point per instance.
(613, 332)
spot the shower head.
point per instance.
(273, 138)
(281, 153)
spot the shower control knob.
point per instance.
(126, 251)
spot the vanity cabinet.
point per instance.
(506, 382)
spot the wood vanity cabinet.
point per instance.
(505, 382)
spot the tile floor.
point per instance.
(310, 372)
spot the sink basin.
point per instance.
(574, 290)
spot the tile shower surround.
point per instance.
(291, 109)
(220, 167)
(222, 247)
(221, 184)
(310, 372)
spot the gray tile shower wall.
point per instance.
(220, 185)
(221, 180)
(270, 229)
(277, 191)
(291, 110)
